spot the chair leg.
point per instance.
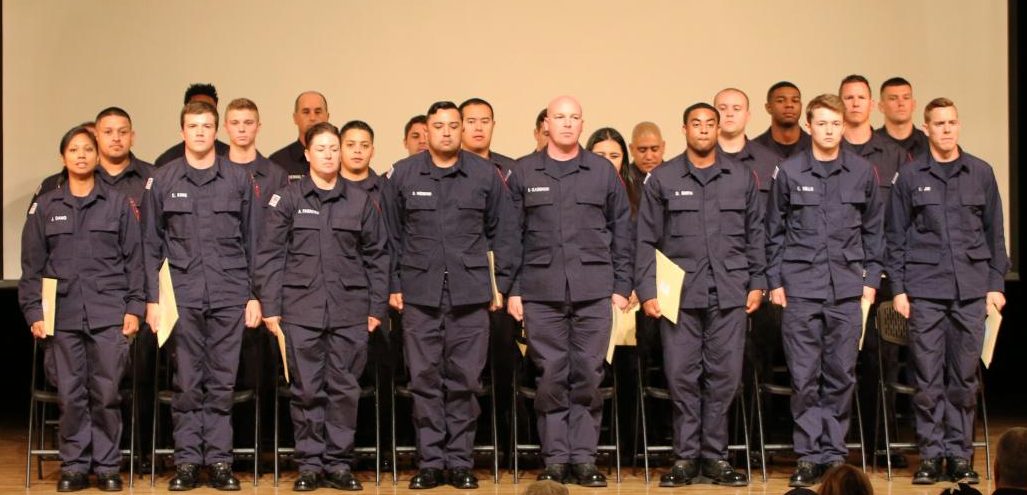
(495, 425)
(745, 433)
(392, 412)
(32, 413)
(984, 419)
(859, 426)
(377, 427)
(134, 418)
(642, 419)
(887, 433)
(616, 426)
(275, 435)
(513, 431)
(759, 424)
(156, 412)
(256, 434)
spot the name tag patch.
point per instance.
(32, 209)
(421, 193)
(59, 218)
(308, 211)
(804, 188)
(538, 189)
(683, 193)
(923, 189)
(274, 200)
(179, 195)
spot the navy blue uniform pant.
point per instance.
(945, 339)
(568, 343)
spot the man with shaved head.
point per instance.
(573, 221)
(647, 147)
(784, 137)
(310, 108)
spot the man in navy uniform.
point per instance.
(897, 105)
(702, 210)
(447, 208)
(415, 135)
(574, 222)
(199, 215)
(784, 137)
(206, 93)
(310, 108)
(824, 249)
(947, 263)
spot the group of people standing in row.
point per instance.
(790, 228)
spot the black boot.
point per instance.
(72, 482)
(962, 470)
(426, 478)
(588, 475)
(186, 477)
(463, 479)
(308, 481)
(221, 477)
(722, 473)
(806, 474)
(343, 480)
(554, 472)
(109, 482)
(928, 473)
(682, 473)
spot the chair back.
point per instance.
(891, 326)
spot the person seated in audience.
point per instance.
(845, 479)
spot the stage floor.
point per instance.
(12, 478)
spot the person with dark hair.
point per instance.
(647, 148)
(198, 215)
(540, 133)
(415, 135)
(310, 108)
(897, 106)
(947, 263)
(824, 253)
(86, 236)
(608, 143)
(1011, 462)
(546, 487)
(479, 122)
(195, 92)
(703, 194)
(784, 137)
(322, 272)
(357, 140)
(574, 227)
(845, 480)
(446, 209)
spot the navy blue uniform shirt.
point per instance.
(760, 160)
(268, 178)
(292, 159)
(178, 151)
(785, 150)
(914, 145)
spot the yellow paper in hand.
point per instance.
(521, 345)
(670, 280)
(49, 304)
(864, 307)
(167, 307)
(281, 347)
(622, 331)
(991, 326)
(497, 298)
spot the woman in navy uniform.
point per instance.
(86, 236)
(322, 273)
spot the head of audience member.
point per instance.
(701, 122)
(242, 122)
(1011, 459)
(199, 121)
(322, 150)
(201, 92)
(78, 152)
(647, 146)
(114, 135)
(415, 135)
(941, 123)
(445, 130)
(546, 487)
(564, 123)
(784, 104)
(733, 106)
(357, 141)
(897, 103)
(608, 143)
(479, 122)
(855, 94)
(825, 120)
(310, 108)
(845, 479)
(540, 134)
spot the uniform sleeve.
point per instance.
(776, 220)
(249, 228)
(873, 232)
(500, 231)
(269, 262)
(374, 242)
(755, 235)
(130, 235)
(34, 253)
(650, 232)
(899, 219)
(618, 221)
(392, 205)
(995, 236)
(153, 239)
(516, 222)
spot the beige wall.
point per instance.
(383, 61)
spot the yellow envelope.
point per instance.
(622, 331)
(991, 326)
(497, 298)
(167, 307)
(281, 347)
(670, 281)
(521, 342)
(49, 304)
(864, 307)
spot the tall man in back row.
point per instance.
(309, 109)
(575, 223)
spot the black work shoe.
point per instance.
(72, 482)
(221, 477)
(962, 471)
(426, 478)
(554, 472)
(109, 482)
(307, 482)
(928, 473)
(588, 475)
(722, 473)
(342, 480)
(682, 473)
(806, 474)
(187, 477)
(463, 479)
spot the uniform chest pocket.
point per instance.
(178, 205)
(415, 202)
(306, 235)
(59, 227)
(732, 216)
(685, 216)
(229, 214)
(591, 205)
(104, 235)
(806, 208)
(537, 198)
(177, 214)
(927, 211)
(476, 202)
(855, 202)
(347, 233)
(972, 211)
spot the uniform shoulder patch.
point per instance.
(273, 202)
(774, 175)
(895, 178)
(149, 183)
(32, 209)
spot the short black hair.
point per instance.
(895, 81)
(75, 131)
(541, 118)
(780, 84)
(442, 105)
(318, 129)
(196, 89)
(697, 106)
(853, 78)
(416, 119)
(476, 101)
(109, 111)
(356, 124)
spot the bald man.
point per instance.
(573, 221)
(646, 148)
(310, 108)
